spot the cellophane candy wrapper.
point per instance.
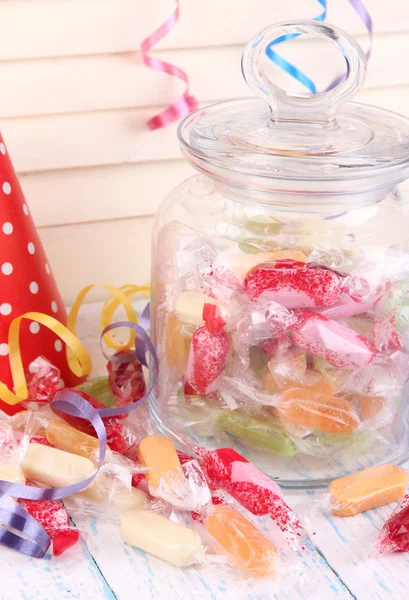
(394, 536)
(310, 356)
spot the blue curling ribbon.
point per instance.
(284, 64)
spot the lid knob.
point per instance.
(317, 108)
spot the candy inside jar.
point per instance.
(280, 277)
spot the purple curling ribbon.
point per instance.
(365, 17)
(143, 345)
(24, 534)
(34, 541)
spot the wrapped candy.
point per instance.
(183, 487)
(250, 550)
(43, 381)
(319, 410)
(161, 537)
(294, 284)
(332, 341)
(53, 467)
(126, 379)
(260, 432)
(64, 437)
(208, 353)
(252, 489)
(367, 489)
(98, 388)
(54, 518)
(394, 536)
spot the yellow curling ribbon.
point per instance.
(79, 360)
(112, 303)
(117, 297)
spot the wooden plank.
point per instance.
(135, 572)
(121, 136)
(115, 252)
(100, 193)
(348, 546)
(38, 28)
(88, 83)
(73, 576)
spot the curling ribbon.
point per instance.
(186, 103)
(78, 358)
(299, 75)
(284, 64)
(14, 519)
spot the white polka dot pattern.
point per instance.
(54, 306)
(34, 287)
(31, 248)
(4, 349)
(6, 187)
(34, 327)
(5, 309)
(7, 228)
(7, 268)
(58, 345)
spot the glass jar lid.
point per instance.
(317, 139)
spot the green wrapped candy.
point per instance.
(259, 432)
(98, 388)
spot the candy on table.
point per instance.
(98, 388)
(394, 536)
(208, 353)
(55, 520)
(250, 550)
(260, 432)
(332, 341)
(53, 467)
(11, 472)
(104, 491)
(126, 379)
(367, 489)
(161, 537)
(241, 263)
(294, 284)
(43, 381)
(319, 410)
(116, 438)
(159, 455)
(256, 492)
(64, 437)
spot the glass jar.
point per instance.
(280, 277)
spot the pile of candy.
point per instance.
(183, 507)
(281, 352)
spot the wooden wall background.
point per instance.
(74, 98)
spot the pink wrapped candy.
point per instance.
(339, 345)
(208, 353)
(255, 491)
(294, 284)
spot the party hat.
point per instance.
(26, 283)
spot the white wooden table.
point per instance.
(337, 565)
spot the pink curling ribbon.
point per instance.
(186, 102)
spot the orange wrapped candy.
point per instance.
(159, 455)
(249, 548)
(367, 489)
(318, 410)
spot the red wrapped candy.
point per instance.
(339, 345)
(294, 284)
(208, 353)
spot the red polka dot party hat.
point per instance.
(26, 284)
